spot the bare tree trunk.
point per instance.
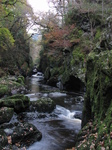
(63, 13)
(102, 8)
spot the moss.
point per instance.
(65, 75)
(20, 80)
(77, 56)
(97, 35)
(99, 83)
(3, 90)
(98, 102)
(7, 84)
(18, 102)
(44, 105)
(2, 73)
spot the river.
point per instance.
(60, 127)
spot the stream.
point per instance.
(59, 128)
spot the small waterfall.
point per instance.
(65, 113)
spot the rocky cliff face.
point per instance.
(99, 86)
(98, 78)
(97, 123)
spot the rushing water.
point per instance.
(60, 127)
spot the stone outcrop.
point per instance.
(18, 102)
(43, 105)
(99, 86)
(96, 121)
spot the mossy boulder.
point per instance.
(19, 102)
(6, 114)
(11, 85)
(4, 90)
(43, 105)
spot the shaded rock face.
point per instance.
(99, 86)
(52, 81)
(43, 105)
(18, 102)
(6, 114)
(97, 112)
(74, 84)
(47, 73)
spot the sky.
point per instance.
(39, 5)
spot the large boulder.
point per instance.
(10, 85)
(19, 102)
(43, 105)
(6, 114)
(25, 134)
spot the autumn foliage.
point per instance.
(61, 37)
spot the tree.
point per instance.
(6, 39)
(14, 20)
(61, 37)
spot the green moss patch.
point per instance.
(18, 102)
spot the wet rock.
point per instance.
(27, 116)
(19, 102)
(6, 114)
(41, 116)
(19, 135)
(26, 134)
(19, 90)
(78, 115)
(44, 105)
(8, 131)
(3, 139)
(79, 99)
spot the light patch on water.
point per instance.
(36, 96)
(57, 94)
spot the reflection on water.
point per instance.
(60, 127)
